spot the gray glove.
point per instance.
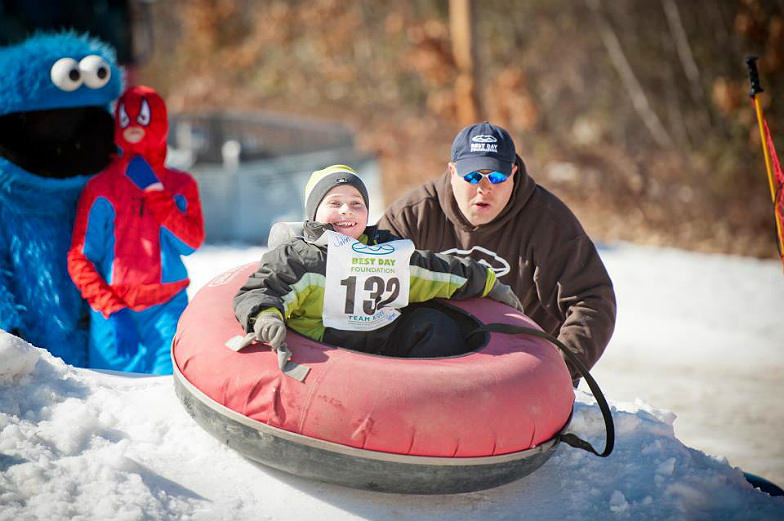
(502, 293)
(271, 329)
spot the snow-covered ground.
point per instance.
(701, 336)
(696, 335)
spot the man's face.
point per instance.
(480, 203)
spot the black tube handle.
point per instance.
(604, 407)
(756, 87)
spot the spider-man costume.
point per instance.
(134, 221)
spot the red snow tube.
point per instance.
(484, 412)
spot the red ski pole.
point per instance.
(756, 88)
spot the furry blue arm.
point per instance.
(9, 311)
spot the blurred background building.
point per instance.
(252, 168)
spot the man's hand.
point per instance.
(142, 175)
(126, 336)
(502, 293)
(270, 329)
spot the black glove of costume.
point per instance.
(270, 328)
(502, 293)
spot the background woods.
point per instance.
(635, 112)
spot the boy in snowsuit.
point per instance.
(341, 282)
(134, 221)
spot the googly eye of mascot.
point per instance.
(55, 132)
(134, 221)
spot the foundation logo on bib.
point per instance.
(484, 256)
(484, 143)
(376, 249)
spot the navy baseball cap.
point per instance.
(483, 146)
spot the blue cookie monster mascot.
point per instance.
(55, 132)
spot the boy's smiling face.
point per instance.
(344, 208)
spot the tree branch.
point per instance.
(633, 87)
(684, 54)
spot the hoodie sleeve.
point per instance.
(575, 286)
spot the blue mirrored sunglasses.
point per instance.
(494, 177)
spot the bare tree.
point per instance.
(631, 83)
(686, 57)
(462, 23)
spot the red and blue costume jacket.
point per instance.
(128, 240)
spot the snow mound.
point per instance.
(79, 444)
(17, 358)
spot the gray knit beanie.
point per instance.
(322, 181)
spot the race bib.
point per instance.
(366, 285)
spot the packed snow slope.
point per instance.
(78, 444)
(702, 336)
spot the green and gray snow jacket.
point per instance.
(290, 280)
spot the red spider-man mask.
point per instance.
(141, 124)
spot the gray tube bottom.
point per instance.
(351, 467)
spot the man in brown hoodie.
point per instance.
(486, 206)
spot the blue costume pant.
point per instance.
(156, 327)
